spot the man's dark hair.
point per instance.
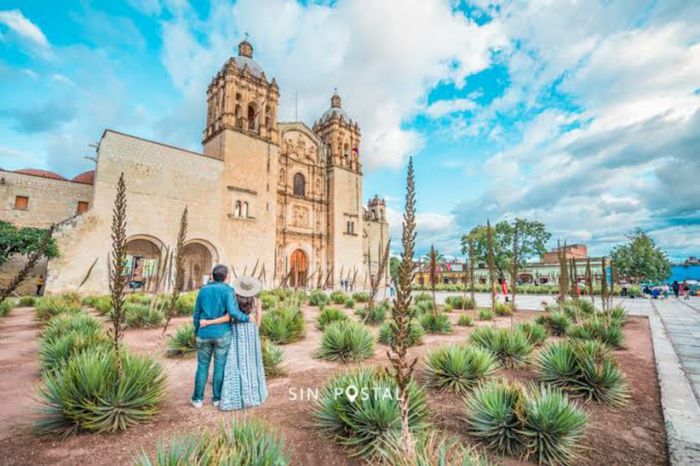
(219, 273)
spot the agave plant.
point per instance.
(268, 300)
(553, 427)
(143, 316)
(388, 330)
(50, 306)
(360, 409)
(349, 303)
(87, 393)
(360, 296)
(617, 315)
(436, 323)
(536, 334)
(459, 368)
(6, 306)
(375, 315)
(586, 307)
(338, 297)
(494, 416)
(485, 314)
(346, 341)
(242, 442)
(26, 301)
(103, 304)
(511, 347)
(433, 449)
(465, 321)
(557, 322)
(503, 309)
(67, 335)
(272, 358)
(328, 315)
(318, 298)
(283, 325)
(608, 333)
(583, 368)
(185, 303)
(184, 342)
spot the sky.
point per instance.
(584, 115)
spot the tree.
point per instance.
(394, 264)
(179, 283)
(24, 241)
(531, 240)
(402, 369)
(640, 259)
(435, 261)
(491, 259)
(472, 266)
(41, 250)
(563, 272)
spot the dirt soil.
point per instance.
(631, 435)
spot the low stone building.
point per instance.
(280, 200)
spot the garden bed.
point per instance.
(631, 435)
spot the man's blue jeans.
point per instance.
(205, 348)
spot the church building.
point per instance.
(279, 200)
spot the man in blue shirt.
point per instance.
(214, 300)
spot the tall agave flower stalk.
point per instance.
(563, 272)
(492, 264)
(118, 277)
(514, 266)
(375, 281)
(31, 262)
(401, 367)
(574, 279)
(472, 266)
(179, 262)
(434, 259)
(603, 285)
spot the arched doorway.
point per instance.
(198, 262)
(142, 254)
(299, 268)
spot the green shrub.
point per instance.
(242, 442)
(103, 304)
(360, 296)
(458, 302)
(447, 308)
(511, 347)
(328, 315)
(494, 416)
(536, 334)
(6, 306)
(346, 341)
(388, 331)
(183, 342)
(423, 297)
(67, 335)
(617, 315)
(433, 449)
(424, 306)
(88, 394)
(318, 298)
(485, 314)
(458, 368)
(268, 300)
(374, 316)
(27, 301)
(465, 320)
(553, 427)
(592, 329)
(556, 322)
(349, 303)
(143, 316)
(283, 325)
(586, 307)
(584, 369)
(338, 297)
(185, 303)
(436, 324)
(139, 298)
(272, 357)
(503, 309)
(50, 306)
(369, 422)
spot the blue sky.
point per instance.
(584, 115)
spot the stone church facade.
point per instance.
(281, 200)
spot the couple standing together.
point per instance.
(226, 320)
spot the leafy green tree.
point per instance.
(640, 259)
(394, 264)
(531, 240)
(23, 241)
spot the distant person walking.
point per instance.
(676, 288)
(39, 285)
(625, 287)
(685, 290)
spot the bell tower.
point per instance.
(341, 136)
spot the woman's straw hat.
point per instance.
(246, 286)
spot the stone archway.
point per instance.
(143, 253)
(198, 262)
(299, 268)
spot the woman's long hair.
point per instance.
(246, 305)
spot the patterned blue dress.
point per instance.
(244, 377)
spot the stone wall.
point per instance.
(345, 205)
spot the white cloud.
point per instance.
(445, 107)
(24, 28)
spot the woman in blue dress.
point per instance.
(244, 377)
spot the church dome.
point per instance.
(335, 110)
(245, 59)
(87, 177)
(41, 173)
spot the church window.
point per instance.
(239, 116)
(252, 124)
(237, 209)
(244, 211)
(299, 185)
(82, 207)
(21, 202)
(346, 154)
(268, 117)
(350, 228)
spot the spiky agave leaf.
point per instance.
(495, 416)
(511, 347)
(388, 331)
(536, 334)
(328, 315)
(459, 368)
(346, 341)
(283, 325)
(143, 316)
(369, 419)
(465, 321)
(272, 357)
(184, 342)
(435, 449)
(436, 323)
(553, 426)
